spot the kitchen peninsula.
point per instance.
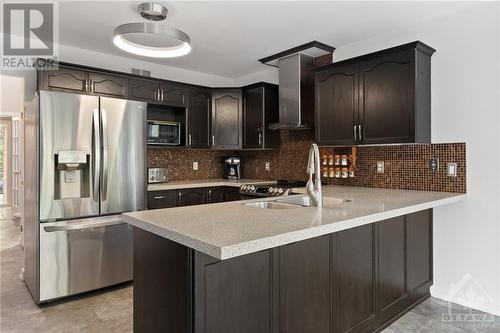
(356, 265)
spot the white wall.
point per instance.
(11, 95)
(465, 108)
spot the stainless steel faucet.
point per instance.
(313, 167)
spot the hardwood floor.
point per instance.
(111, 311)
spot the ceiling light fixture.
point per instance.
(152, 39)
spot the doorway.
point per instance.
(5, 162)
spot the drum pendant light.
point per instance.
(152, 39)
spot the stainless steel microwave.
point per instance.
(165, 133)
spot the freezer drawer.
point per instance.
(83, 255)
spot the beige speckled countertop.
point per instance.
(178, 184)
(230, 229)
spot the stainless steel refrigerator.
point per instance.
(88, 166)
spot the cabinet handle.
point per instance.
(179, 196)
(161, 94)
(355, 133)
(213, 140)
(260, 139)
(86, 85)
(360, 132)
(209, 195)
(91, 85)
(189, 139)
(160, 197)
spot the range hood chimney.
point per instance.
(296, 84)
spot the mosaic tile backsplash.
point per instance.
(179, 163)
(406, 166)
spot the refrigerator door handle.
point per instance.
(97, 155)
(104, 123)
(68, 227)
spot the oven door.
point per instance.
(83, 255)
(164, 133)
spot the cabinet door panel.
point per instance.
(387, 102)
(305, 286)
(144, 90)
(198, 120)
(173, 95)
(234, 295)
(226, 119)
(391, 265)
(337, 105)
(419, 227)
(253, 117)
(232, 193)
(190, 197)
(216, 194)
(108, 85)
(65, 79)
(354, 279)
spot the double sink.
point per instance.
(297, 202)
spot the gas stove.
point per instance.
(280, 188)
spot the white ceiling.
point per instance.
(229, 37)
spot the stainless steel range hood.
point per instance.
(296, 84)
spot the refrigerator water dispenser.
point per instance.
(72, 174)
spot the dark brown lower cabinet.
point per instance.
(192, 196)
(354, 279)
(234, 295)
(304, 285)
(357, 280)
(391, 281)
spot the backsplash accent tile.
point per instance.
(179, 163)
(407, 167)
(289, 162)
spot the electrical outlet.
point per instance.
(380, 167)
(434, 164)
(195, 166)
(452, 169)
(268, 166)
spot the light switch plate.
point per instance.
(452, 169)
(434, 164)
(380, 167)
(268, 166)
(195, 166)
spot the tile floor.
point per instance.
(111, 311)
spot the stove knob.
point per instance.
(242, 187)
(252, 188)
(270, 190)
(280, 191)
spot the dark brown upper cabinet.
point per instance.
(108, 85)
(154, 92)
(144, 90)
(198, 118)
(73, 80)
(172, 94)
(260, 108)
(337, 105)
(378, 98)
(226, 119)
(64, 79)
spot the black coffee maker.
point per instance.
(232, 167)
